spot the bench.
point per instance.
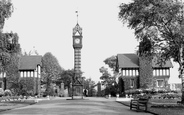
(138, 104)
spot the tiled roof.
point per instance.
(131, 60)
(128, 61)
(30, 62)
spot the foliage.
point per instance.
(89, 85)
(88, 82)
(49, 91)
(106, 76)
(13, 77)
(6, 9)
(9, 47)
(51, 69)
(160, 21)
(145, 47)
(111, 62)
(66, 77)
(108, 81)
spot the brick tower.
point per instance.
(77, 86)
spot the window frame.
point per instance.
(162, 82)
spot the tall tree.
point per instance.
(66, 77)
(11, 67)
(111, 62)
(108, 81)
(162, 22)
(6, 9)
(9, 46)
(51, 69)
(89, 85)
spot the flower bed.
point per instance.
(168, 106)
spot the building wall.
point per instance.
(160, 78)
(32, 78)
(128, 77)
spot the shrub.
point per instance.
(161, 91)
(7, 92)
(143, 96)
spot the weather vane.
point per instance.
(77, 15)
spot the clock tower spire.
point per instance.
(77, 86)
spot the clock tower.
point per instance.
(77, 86)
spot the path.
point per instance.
(88, 106)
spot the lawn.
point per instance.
(15, 104)
(163, 107)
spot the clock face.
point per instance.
(77, 40)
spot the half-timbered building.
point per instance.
(30, 70)
(129, 70)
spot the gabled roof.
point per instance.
(30, 62)
(131, 60)
(128, 61)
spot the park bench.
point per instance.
(138, 104)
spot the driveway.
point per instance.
(62, 106)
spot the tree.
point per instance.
(161, 21)
(111, 62)
(66, 77)
(9, 47)
(6, 9)
(89, 85)
(51, 70)
(108, 80)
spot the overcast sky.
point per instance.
(47, 25)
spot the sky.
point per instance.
(47, 25)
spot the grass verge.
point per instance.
(162, 107)
(4, 106)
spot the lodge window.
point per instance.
(28, 74)
(31, 73)
(131, 83)
(21, 74)
(25, 74)
(160, 72)
(160, 83)
(164, 72)
(35, 74)
(130, 72)
(133, 72)
(137, 72)
(123, 72)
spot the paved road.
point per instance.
(88, 106)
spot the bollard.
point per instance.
(117, 95)
(126, 96)
(48, 97)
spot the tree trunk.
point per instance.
(182, 81)
(182, 72)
